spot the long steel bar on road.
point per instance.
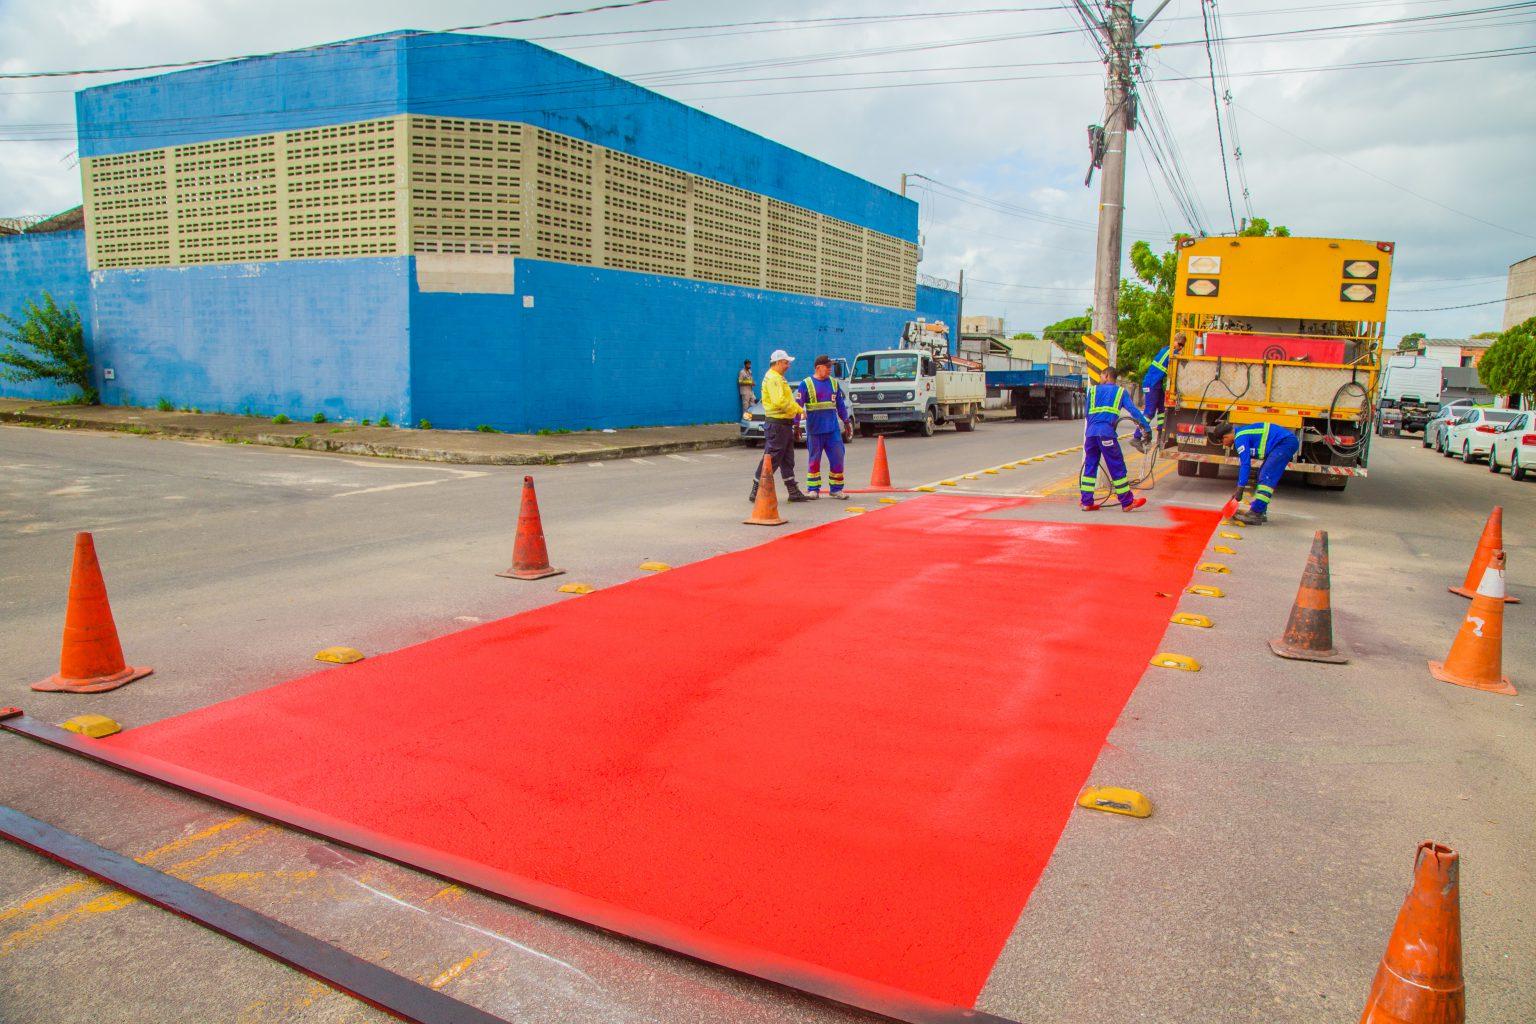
(409, 1000)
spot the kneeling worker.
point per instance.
(1106, 401)
(1273, 446)
(826, 410)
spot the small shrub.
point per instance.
(424, 425)
(281, 418)
(486, 428)
(367, 423)
(384, 421)
(319, 417)
(165, 405)
(56, 340)
(197, 410)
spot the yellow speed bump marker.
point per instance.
(1230, 535)
(575, 588)
(888, 501)
(1212, 567)
(990, 472)
(854, 508)
(1182, 662)
(339, 655)
(1116, 800)
(654, 567)
(949, 483)
(94, 726)
(1222, 549)
(970, 476)
(1192, 619)
(928, 488)
(1201, 590)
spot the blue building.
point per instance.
(465, 230)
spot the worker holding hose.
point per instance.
(1273, 446)
(1106, 401)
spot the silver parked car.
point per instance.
(751, 422)
(1435, 429)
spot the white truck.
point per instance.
(913, 386)
(1411, 385)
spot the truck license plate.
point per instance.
(1192, 439)
(880, 416)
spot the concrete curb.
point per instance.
(386, 450)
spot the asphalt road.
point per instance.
(1289, 796)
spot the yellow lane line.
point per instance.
(457, 969)
(950, 481)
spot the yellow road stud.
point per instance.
(94, 726)
(928, 488)
(949, 483)
(1182, 662)
(339, 655)
(1116, 800)
(970, 476)
(1230, 535)
(575, 588)
(855, 508)
(990, 472)
(1192, 619)
(888, 501)
(1212, 567)
(1222, 549)
(654, 567)
(1201, 590)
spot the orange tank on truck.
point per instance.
(1284, 330)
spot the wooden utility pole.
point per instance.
(1120, 42)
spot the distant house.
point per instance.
(992, 325)
(1450, 352)
(1520, 293)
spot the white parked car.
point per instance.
(1470, 437)
(1515, 446)
(1434, 430)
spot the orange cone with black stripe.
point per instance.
(765, 507)
(530, 556)
(1492, 540)
(91, 657)
(1419, 980)
(1309, 630)
(879, 473)
(1477, 654)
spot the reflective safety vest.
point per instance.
(1160, 364)
(811, 404)
(1094, 407)
(1259, 435)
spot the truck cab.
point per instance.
(907, 387)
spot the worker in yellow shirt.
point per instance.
(780, 411)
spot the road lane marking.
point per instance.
(456, 969)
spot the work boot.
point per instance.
(1090, 507)
(840, 495)
(1252, 518)
(1133, 505)
(796, 494)
(752, 496)
(1140, 444)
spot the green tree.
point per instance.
(1258, 227)
(1509, 365)
(1069, 333)
(1412, 342)
(1022, 336)
(46, 343)
(1485, 334)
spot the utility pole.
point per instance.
(1120, 42)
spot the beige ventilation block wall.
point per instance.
(442, 185)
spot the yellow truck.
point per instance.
(1284, 330)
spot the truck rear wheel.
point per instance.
(1188, 468)
(1210, 470)
(966, 425)
(928, 425)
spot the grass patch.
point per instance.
(486, 428)
(281, 418)
(423, 424)
(165, 405)
(319, 417)
(384, 421)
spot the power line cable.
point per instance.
(1465, 305)
(1210, 58)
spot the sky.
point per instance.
(985, 106)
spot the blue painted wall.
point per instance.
(612, 348)
(364, 79)
(54, 262)
(469, 76)
(295, 337)
(514, 80)
(940, 304)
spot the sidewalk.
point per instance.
(459, 446)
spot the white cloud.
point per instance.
(1460, 133)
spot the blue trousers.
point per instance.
(1096, 447)
(1152, 407)
(832, 446)
(1275, 461)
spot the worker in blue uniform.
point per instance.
(1106, 400)
(1153, 387)
(1273, 447)
(826, 410)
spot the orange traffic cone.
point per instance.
(91, 659)
(1419, 980)
(1477, 653)
(765, 510)
(1309, 631)
(1492, 540)
(530, 558)
(879, 473)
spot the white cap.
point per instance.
(779, 354)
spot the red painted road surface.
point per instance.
(840, 759)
